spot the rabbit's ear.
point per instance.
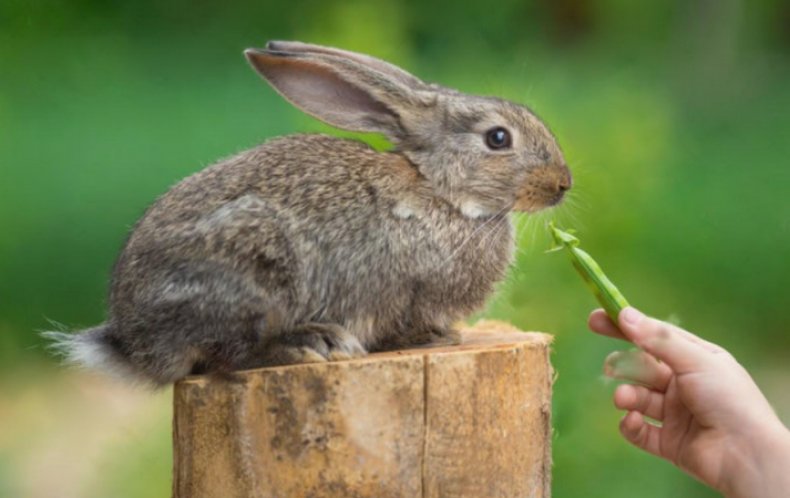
(337, 90)
(373, 63)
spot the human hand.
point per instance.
(715, 424)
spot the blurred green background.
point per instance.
(674, 115)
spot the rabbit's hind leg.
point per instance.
(309, 343)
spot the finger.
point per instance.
(600, 323)
(640, 399)
(713, 348)
(638, 367)
(662, 341)
(641, 434)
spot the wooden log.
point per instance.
(472, 420)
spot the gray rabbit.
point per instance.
(313, 248)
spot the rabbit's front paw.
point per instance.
(444, 337)
(435, 336)
(422, 337)
(314, 342)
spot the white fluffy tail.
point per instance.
(90, 349)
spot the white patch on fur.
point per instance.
(92, 355)
(363, 328)
(219, 216)
(473, 210)
(403, 211)
(174, 292)
(84, 351)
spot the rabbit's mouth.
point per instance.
(535, 203)
(545, 188)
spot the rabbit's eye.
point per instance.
(498, 138)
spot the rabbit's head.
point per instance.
(482, 154)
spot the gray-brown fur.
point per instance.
(310, 247)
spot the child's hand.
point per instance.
(715, 423)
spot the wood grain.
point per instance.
(471, 420)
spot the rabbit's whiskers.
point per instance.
(479, 230)
(493, 234)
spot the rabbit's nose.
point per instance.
(565, 181)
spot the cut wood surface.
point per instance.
(471, 420)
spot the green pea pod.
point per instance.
(604, 290)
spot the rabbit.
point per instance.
(310, 248)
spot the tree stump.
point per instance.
(472, 420)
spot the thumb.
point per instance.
(662, 340)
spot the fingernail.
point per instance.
(610, 364)
(631, 315)
(627, 365)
